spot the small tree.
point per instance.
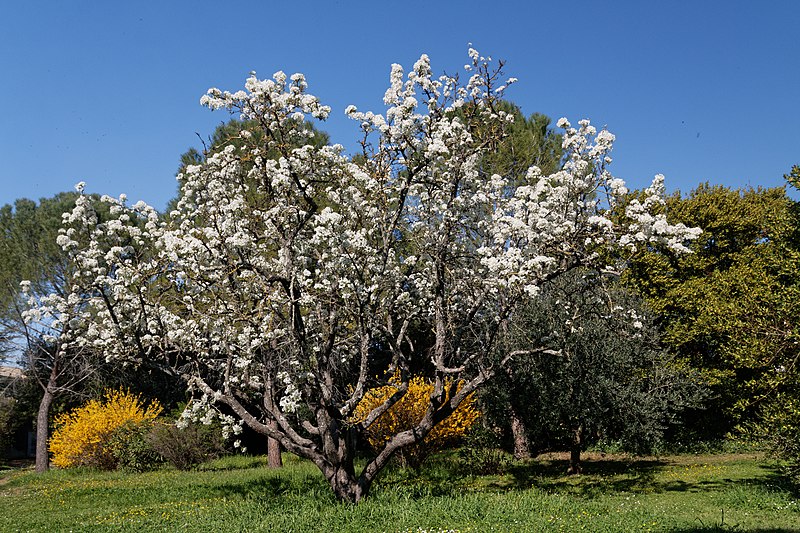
(598, 372)
(276, 284)
(35, 272)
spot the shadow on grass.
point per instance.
(277, 487)
(599, 477)
(226, 465)
(605, 476)
(447, 476)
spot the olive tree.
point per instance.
(598, 371)
(275, 285)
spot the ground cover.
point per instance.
(731, 492)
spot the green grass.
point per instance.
(737, 492)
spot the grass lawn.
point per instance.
(734, 492)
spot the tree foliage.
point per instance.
(731, 307)
(274, 284)
(599, 371)
(526, 142)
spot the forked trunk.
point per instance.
(42, 432)
(346, 486)
(575, 452)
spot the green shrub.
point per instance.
(481, 454)
(187, 447)
(131, 445)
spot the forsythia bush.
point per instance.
(82, 436)
(406, 413)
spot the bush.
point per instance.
(131, 446)
(482, 454)
(780, 428)
(83, 435)
(407, 413)
(188, 446)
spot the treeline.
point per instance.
(660, 349)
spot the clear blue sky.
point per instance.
(107, 92)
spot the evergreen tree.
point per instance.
(599, 373)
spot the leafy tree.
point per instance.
(599, 371)
(731, 306)
(258, 294)
(32, 258)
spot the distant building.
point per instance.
(10, 372)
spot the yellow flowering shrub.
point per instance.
(82, 435)
(407, 413)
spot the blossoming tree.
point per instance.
(274, 285)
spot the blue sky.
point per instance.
(107, 92)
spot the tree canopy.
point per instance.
(597, 372)
(731, 307)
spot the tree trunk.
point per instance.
(273, 449)
(575, 452)
(42, 431)
(346, 486)
(519, 433)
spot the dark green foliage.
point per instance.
(529, 141)
(28, 251)
(185, 448)
(150, 382)
(230, 133)
(589, 367)
(481, 453)
(132, 447)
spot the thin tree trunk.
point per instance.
(273, 445)
(519, 433)
(42, 431)
(575, 452)
(273, 449)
